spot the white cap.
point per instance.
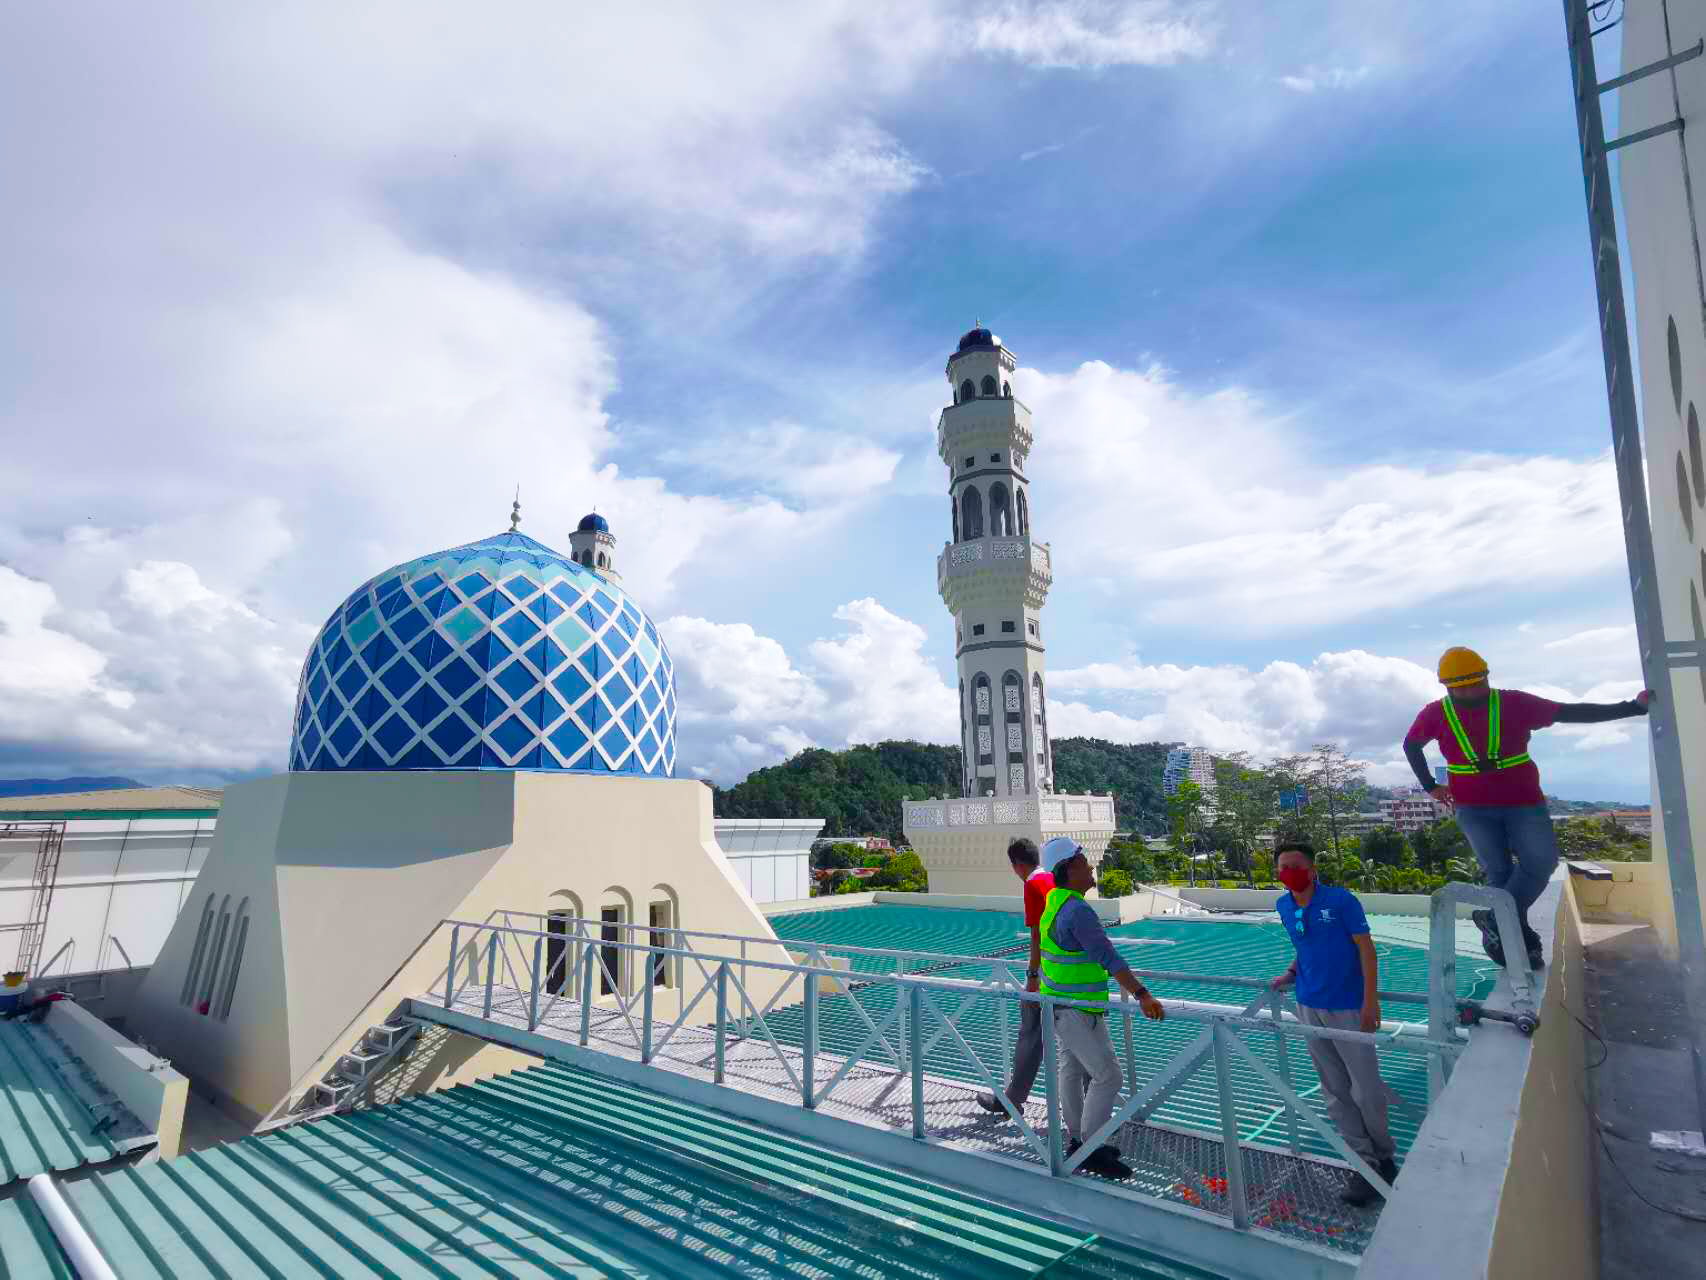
(1058, 850)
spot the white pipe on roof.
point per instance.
(76, 1242)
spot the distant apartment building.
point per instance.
(1411, 811)
(1442, 776)
(1189, 764)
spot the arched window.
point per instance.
(199, 951)
(616, 912)
(239, 937)
(210, 974)
(965, 752)
(664, 917)
(565, 926)
(586, 558)
(954, 507)
(971, 513)
(1024, 516)
(967, 391)
(1007, 390)
(603, 560)
(988, 384)
(1000, 511)
(1039, 722)
(1013, 730)
(983, 711)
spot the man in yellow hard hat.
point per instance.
(1495, 787)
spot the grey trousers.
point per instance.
(1089, 1071)
(1027, 1053)
(1350, 1077)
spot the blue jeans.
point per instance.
(1515, 845)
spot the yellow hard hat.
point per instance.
(1459, 666)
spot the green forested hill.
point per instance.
(858, 791)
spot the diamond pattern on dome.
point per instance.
(482, 657)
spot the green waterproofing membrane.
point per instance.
(1239, 949)
(49, 1104)
(552, 1171)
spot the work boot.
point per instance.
(990, 1103)
(1359, 1192)
(1531, 939)
(1388, 1169)
(1106, 1162)
(1489, 928)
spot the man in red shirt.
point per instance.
(1022, 856)
(1495, 787)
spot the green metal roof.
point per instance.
(551, 1171)
(54, 1113)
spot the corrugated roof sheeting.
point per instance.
(557, 1171)
(54, 1115)
(122, 799)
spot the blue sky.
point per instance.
(1303, 310)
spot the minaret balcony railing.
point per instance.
(997, 558)
(993, 421)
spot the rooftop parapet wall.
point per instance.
(963, 843)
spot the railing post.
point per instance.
(902, 1041)
(1128, 1005)
(915, 1003)
(491, 972)
(533, 990)
(722, 1018)
(808, 1045)
(1002, 1023)
(1051, 1078)
(450, 969)
(1281, 1052)
(1442, 984)
(745, 1030)
(589, 956)
(1229, 1143)
(646, 1002)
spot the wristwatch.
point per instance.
(1033, 973)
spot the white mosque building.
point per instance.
(994, 578)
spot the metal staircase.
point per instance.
(348, 1084)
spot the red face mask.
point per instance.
(1297, 879)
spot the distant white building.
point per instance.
(1412, 811)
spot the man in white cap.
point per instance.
(1078, 961)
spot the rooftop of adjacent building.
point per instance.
(163, 801)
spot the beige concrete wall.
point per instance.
(350, 874)
(1548, 1208)
(1638, 889)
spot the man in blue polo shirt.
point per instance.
(1337, 979)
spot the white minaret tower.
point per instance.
(593, 545)
(992, 576)
(994, 579)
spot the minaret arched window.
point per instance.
(983, 708)
(1013, 718)
(603, 560)
(968, 391)
(971, 514)
(1039, 721)
(1000, 511)
(1007, 390)
(1024, 516)
(988, 384)
(965, 747)
(586, 558)
(954, 507)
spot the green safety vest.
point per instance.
(1492, 759)
(1069, 975)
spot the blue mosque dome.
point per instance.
(501, 654)
(593, 523)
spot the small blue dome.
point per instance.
(501, 654)
(593, 523)
(979, 339)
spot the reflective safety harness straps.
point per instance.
(1068, 975)
(1478, 763)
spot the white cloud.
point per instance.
(1094, 34)
(1215, 505)
(745, 704)
(1313, 78)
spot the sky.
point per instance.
(1302, 308)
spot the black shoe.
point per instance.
(1388, 1169)
(990, 1103)
(1359, 1191)
(1106, 1162)
(1536, 958)
(1490, 943)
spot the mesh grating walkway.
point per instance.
(552, 1171)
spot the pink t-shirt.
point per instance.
(1519, 715)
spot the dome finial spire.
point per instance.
(515, 511)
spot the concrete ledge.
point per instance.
(1629, 892)
(830, 902)
(148, 1085)
(1390, 904)
(1494, 1183)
